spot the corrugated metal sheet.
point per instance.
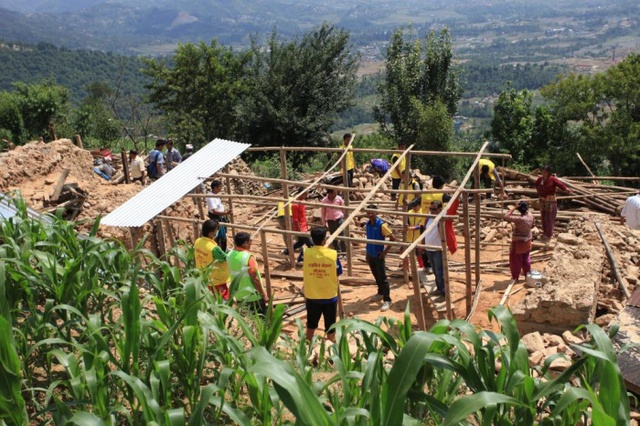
(8, 209)
(174, 185)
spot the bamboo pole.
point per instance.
(196, 230)
(287, 215)
(265, 261)
(455, 194)
(347, 200)
(172, 241)
(417, 294)
(366, 199)
(405, 223)
(230, 192)
(467, 251)
(445, 267)
(612, 262)
(587, 167)
(624, 178)
(378, 151)
(160, 238)
(477, 200)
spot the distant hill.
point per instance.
(74, 69)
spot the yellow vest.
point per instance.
(203, 249)
(396, 173)
(319, 273)
(281, 208)
(351, 164)
(426, 199)
(485, 162)
(414, 234)
(404, 187)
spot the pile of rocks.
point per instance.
(242, 186)
(542, 346)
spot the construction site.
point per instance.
(589, 272)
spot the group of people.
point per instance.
(159, 161)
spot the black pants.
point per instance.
(316, 310)
(333, 226)
(350, 178)
(379, 271)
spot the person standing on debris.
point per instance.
(630, 213)
(489, 174)
(546, 186)
(320, 272)
(378, 230)
(519, 259)
(216, 211)
(299, 221)
(398, 171)
(188, 152)
(347, 140)
(243, 264)
(208, 254)
(173, 157)
(333, 216)
(435, 256)
(136, 167)
(155, 169)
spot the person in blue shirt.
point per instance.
(378, 230)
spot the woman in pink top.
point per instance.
(546, 186)
(333, 216)
(519, 259)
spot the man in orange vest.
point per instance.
(320, 271)
(209, 255)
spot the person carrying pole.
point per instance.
(320, 271)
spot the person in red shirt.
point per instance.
(299, 221)
(546, 186)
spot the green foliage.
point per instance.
(296, 88)
(513, 123)
(199, 90)
(418, 74)
(434, 130)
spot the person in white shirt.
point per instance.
(217, 212)
(630, 213)
(435, 256)
(136, 167)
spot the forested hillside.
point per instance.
(73, 69)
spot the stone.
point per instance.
(551, 350)
(571, 339)
(560, 364)
(569, 239)
(604, 320)
(536, 358)
(533, 342)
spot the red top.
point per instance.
(299, 213)
(548, 187)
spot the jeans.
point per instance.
(435, 259)
(333, 225)
(379, 271)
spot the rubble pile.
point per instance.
(246, 187)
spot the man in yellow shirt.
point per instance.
(398, 171)
(489, 175)
(321, 268)
(209, 255)
(347, 139)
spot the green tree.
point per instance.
(417, 73)
(11, 123)
(43, 107)
(434, 129)
(513, 123)
(198, 90)
(298, 87)
(94, 119)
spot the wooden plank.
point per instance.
(445, 267)
(59, 185)
(612, 261)
(125, 166)
(505, 296)
(417, 294)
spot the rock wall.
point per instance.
(571, 282)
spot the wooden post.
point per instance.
(347, 231)
(230, 192)
(287, 215)
(133, 233)
(200, 202)
(59, 185)
(196, 230)
(445, 267)
(162, 250)
(265, 260)
(476, 197)
(172, 240)
(79, 141)
(125, 166)
(406, 176)
(417, 293)
(467, 250)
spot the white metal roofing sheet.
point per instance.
(165, 191)
(9, 208)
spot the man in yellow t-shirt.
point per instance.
(489, 175)
(321, 268)
(209, 255)
(398, 171)
(347, 140)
